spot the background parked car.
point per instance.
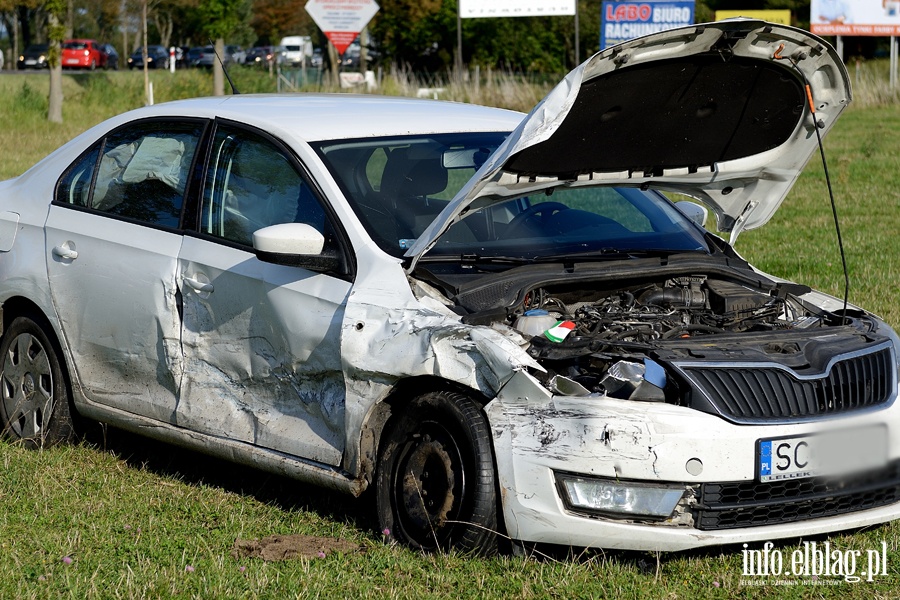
(206, 56)
(237, 54)
(192, 56)
(82, 54)
(157, 58)
(110, 57)
(34, 57)
(264, 56)
(181, 56)
(351, 57)
(316, 61)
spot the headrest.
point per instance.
(426, 177)
(405, 177)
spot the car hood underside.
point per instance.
(718, 111)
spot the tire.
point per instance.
(34, 397)
(435, 481)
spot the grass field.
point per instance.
(123, 517)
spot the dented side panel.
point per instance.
(116, 302)
(389, 335)
(262, 352)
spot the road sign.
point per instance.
(341, 20)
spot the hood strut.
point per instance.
(817, 125)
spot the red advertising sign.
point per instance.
(341, 20)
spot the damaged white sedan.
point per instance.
(497, 322)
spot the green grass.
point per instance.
(799, 243)
(133, 514)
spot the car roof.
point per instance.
(317, 117)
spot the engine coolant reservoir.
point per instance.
(535, 322)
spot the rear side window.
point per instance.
(75, 186)
(140, 172)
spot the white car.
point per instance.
(496, 321)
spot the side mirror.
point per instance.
(693, 211)
(294, 244)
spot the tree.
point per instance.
(274, 19)
(56, 33)
(420, 33)
(222, 18)
(17, 17)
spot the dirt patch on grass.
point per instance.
(286, 547)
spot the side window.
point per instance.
(75, 186)
(251, 184)
(144, 170)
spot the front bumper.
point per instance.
(537, 435)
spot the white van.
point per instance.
(297, 49)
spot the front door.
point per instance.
(261, 341)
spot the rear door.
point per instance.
(113, 239)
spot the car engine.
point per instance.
(681, 307)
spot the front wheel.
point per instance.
(435, 482)
(34, 399)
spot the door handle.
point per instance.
(65, 251)
(198, 286)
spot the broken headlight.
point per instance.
(635, 381)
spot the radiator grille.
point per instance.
(753, 504)
(766, 392)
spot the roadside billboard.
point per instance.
(472, 9)
(855, 17)
(622, 21)
(782, 17)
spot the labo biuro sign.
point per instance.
(622, 21)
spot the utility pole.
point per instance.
(577, 37)
(459, 61)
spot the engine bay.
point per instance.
(678, 307)
(630, 335)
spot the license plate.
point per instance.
(72, 61)
(833, 453)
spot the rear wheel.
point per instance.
(34, 399)
(435, 482)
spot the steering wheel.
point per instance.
(544, 209)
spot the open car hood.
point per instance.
(717, 111)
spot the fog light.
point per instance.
(616, 497)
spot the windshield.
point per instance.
(397, 186)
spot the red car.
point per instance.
(83, 54)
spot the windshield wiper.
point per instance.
(475, 259)
(613, 254)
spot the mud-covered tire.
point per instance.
(435, 481)
(34, 398)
